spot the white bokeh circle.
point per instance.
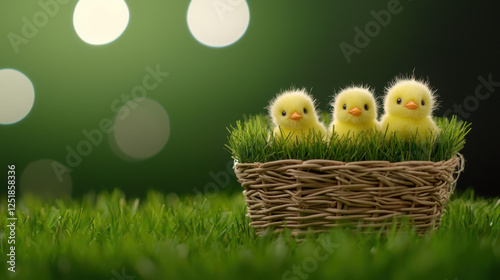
(218, 23)
(142, 129)
(99, 22)
(16, 96)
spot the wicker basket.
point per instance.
(320, 194)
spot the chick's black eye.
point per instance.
(423, 102)
(344, 107)
(366, 107)
(305, 111)
(399, 100)
(283, 113)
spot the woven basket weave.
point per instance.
(320, 194)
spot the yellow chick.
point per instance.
(354, 111)
(408, 107)
(294, 112)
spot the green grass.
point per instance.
(163, 237)
(250, 141)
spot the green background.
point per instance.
(287, 43)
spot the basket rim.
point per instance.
(458, 156)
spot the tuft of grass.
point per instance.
(108, 236)
(250, 140)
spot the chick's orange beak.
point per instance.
(295, 116)
(355, 111)
(411, 105)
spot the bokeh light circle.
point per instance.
(46, 178)
(99, 22)
(142, 129)
(218, 23)
(16, 96)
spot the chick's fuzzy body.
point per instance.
(279, 131)
(344, 128)
(406, 127)
(294, 115)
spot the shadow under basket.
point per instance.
(316, 195)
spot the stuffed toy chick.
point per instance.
(293, 112)
(354, 111)
(408, 108)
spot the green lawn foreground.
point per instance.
(109, 236)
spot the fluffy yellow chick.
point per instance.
(294, 112)
(354, 111)
(408, 107)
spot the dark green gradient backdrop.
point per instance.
(287, 42)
